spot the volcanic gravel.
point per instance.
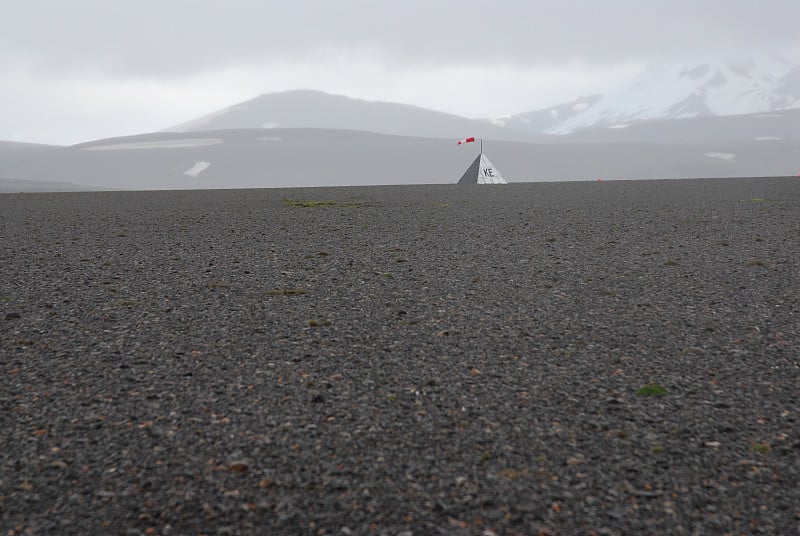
(403, 360)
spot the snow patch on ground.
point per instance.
(554, 113)
(768, 138)
(158, 144)
(197, 169)
(499, 121)
(269, 138)
(580, 106)
(728, 157)
(270, 124)
(620, 125)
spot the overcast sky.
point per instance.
(75, 70)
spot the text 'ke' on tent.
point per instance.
(482, 171)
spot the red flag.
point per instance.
(466, 140)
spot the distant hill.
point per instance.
(762, 128)
(8, 186)
(17, 148)
(315, 109)
(264, 158)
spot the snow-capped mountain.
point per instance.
(673, 90)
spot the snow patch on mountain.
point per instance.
(677, 90)
(545, 118)
(197, 169)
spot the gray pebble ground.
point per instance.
(406, 361)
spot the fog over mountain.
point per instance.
(753, 99)
(549, 117)
(664, 90)
(77, 70)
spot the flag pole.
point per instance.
(481, 145)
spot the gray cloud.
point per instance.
(178, 37)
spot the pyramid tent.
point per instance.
(482, 171)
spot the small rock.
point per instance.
(616, 513)
(238, 466)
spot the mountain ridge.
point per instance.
(317, 109)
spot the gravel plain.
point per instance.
(403, 360)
